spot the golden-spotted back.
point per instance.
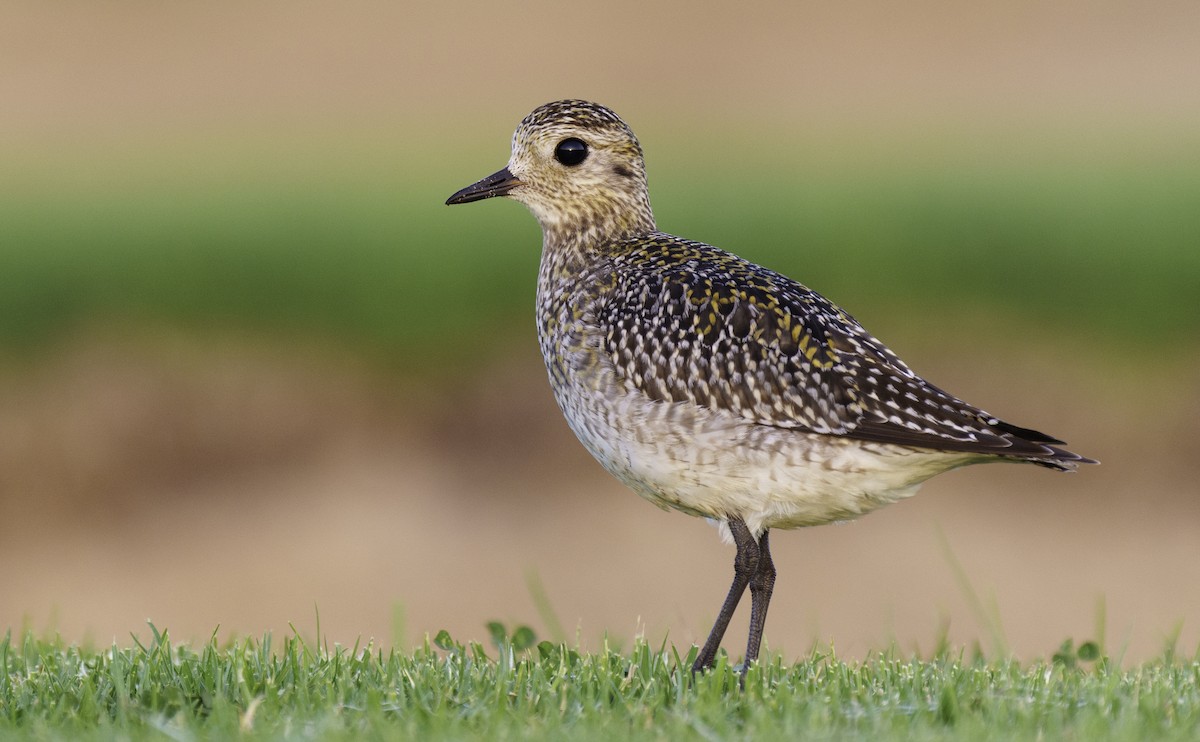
(693, 324)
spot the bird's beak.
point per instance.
(496, 184)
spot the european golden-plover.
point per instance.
(709, 384)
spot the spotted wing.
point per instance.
(691, 323)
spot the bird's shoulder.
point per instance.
(685, 321)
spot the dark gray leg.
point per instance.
(762, 583)
(745, 567)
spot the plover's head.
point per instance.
(578, 167)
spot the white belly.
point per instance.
(716, 465)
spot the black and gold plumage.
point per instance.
(691, 323)
(713, 385)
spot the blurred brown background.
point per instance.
(251, 365)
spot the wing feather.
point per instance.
(691, 323)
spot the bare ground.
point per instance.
(244, 487)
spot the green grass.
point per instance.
(519, 690)
(361, 251)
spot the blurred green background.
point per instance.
(251, 362)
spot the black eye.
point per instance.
(571, 151)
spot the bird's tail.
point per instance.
(1059, 459)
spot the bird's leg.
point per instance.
(745, 566)
(762, 583)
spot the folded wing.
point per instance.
(726, 334)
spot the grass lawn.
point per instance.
(519, 689)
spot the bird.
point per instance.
(714, 386)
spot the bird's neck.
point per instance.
(572, 240)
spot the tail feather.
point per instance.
(1001, 439)
(1061, 459)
